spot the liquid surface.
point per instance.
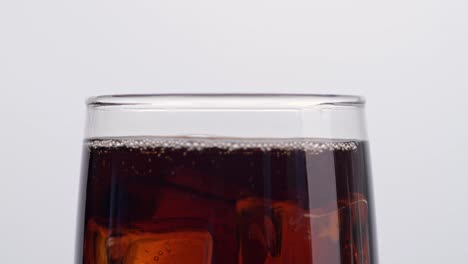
(226, 201)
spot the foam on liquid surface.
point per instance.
(193, 143)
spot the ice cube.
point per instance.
(278, 232)
(136, 247)
(184, 209)
(259, 234)
(95, 251)
(296, 240)
(172, 247)
(355, 235)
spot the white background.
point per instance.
(409, 58)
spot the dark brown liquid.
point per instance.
(246, 203)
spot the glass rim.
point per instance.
(222, 101)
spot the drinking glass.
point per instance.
(226, 179)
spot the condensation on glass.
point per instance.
(226, 179)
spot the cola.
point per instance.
(149, 200)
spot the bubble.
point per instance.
(155, 258)
(190, 144)
(160, 253)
